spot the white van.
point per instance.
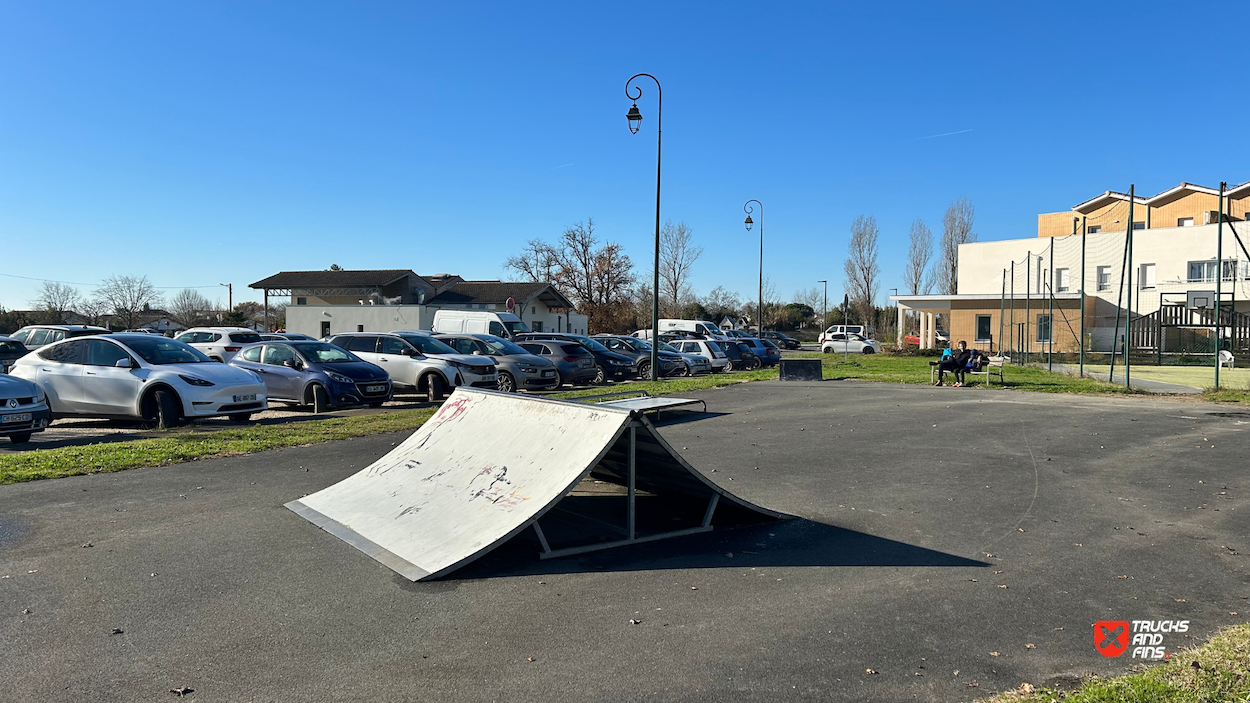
(862, 331)
(703, 327)
(500, 324)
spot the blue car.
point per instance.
(316, 374)
(766, 352)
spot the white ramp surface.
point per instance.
(471, 477)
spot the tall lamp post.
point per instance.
(824, 309)
(746, 207)
(635, 122)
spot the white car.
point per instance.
(418, 362)
(161, 382)
(840, 343)
(708, 349)
(219, 343)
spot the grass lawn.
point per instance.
(1220, 677)
(189, 444)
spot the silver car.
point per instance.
(709, 350)
(518, 369)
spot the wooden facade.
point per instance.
(1066, 325)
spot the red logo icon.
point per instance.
(1111, 637)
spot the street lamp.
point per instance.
(824, 310)
(746, 207)
(635, 122)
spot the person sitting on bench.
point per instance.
(956, 363)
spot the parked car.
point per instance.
(741, 356)
(280, 336)
(709, 349)
(767, 352)
(611, 365)
(850, 344)
(574, 363)
(640, 351)
(219, 343)
(35, 336)
(696, 364)
(419, 362)
(23, 409)
(143, 330)
(516, 368)
(939, 337)
(860, 330)
(781, 340)
(10, 351)
(737, 334)
(704, 327)
(498, 324)
(316, 374)
(161, 382)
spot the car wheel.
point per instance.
(217, 359)
(685, 371)
(434, 388)
(320, 399)
(160, 410)
(826, 350)
(20, 437)
(757, 364)
(869, 350)
(601, 375)
(728, 367)
(507, 384)
(559, 381)
(644, 371)
(240, 418)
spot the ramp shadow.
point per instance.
(679, 417)
(795, 542)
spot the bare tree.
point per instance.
(188, 306)
(861, 267)
(57, 297)
(677, 256)
(813, 297)
(597, 278)
(92, 309)
(916, 279)
(127, 296)
(721, 303)
(537, 262)
(956, 230)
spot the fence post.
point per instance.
(1081, 343)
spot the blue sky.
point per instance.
(203, 143)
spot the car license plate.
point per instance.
(244, 398)
(19, 417)
(549, 373)
(375, 389)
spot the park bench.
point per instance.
(993, 368)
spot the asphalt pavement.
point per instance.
(945, 537)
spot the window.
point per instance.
(1043, 328)
(360, 328)
(1230, 269)
(102, 353)
(367, 344)
(1146, 276)
(252, 354)
(244, 337)
(536, 349)
(1094, 229)
(278, 354)
(1201, 271)
(538, 326)
(983, 328)
(67, 353)
(497, 329)
(301, 301)
(393, 345)
(1185, 222)
(1104, 278)
(1062, 281)
(1139, 225)
(325, 328)
(38, 337)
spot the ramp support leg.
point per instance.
(633, 437)
(711, 508)
(542, 539)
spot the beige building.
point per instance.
(1072, 276)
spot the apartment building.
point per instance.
(1038, 293)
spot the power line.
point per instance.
(94, 285)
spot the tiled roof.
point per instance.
(332, 279)
(467, 292)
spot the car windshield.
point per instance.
(500, 346)
(245, 337)
(517, 327)
(159, 351)
(591, 344)
(322, 353)
(11, 346)
(664, 346)
(711, 327)
(635, 343)
(428, 345)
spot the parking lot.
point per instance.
(947, 545)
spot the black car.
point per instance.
(741, 357)
(575, 364)
(10, 351)
(610, 365)
(781, 340)
(670, 364)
